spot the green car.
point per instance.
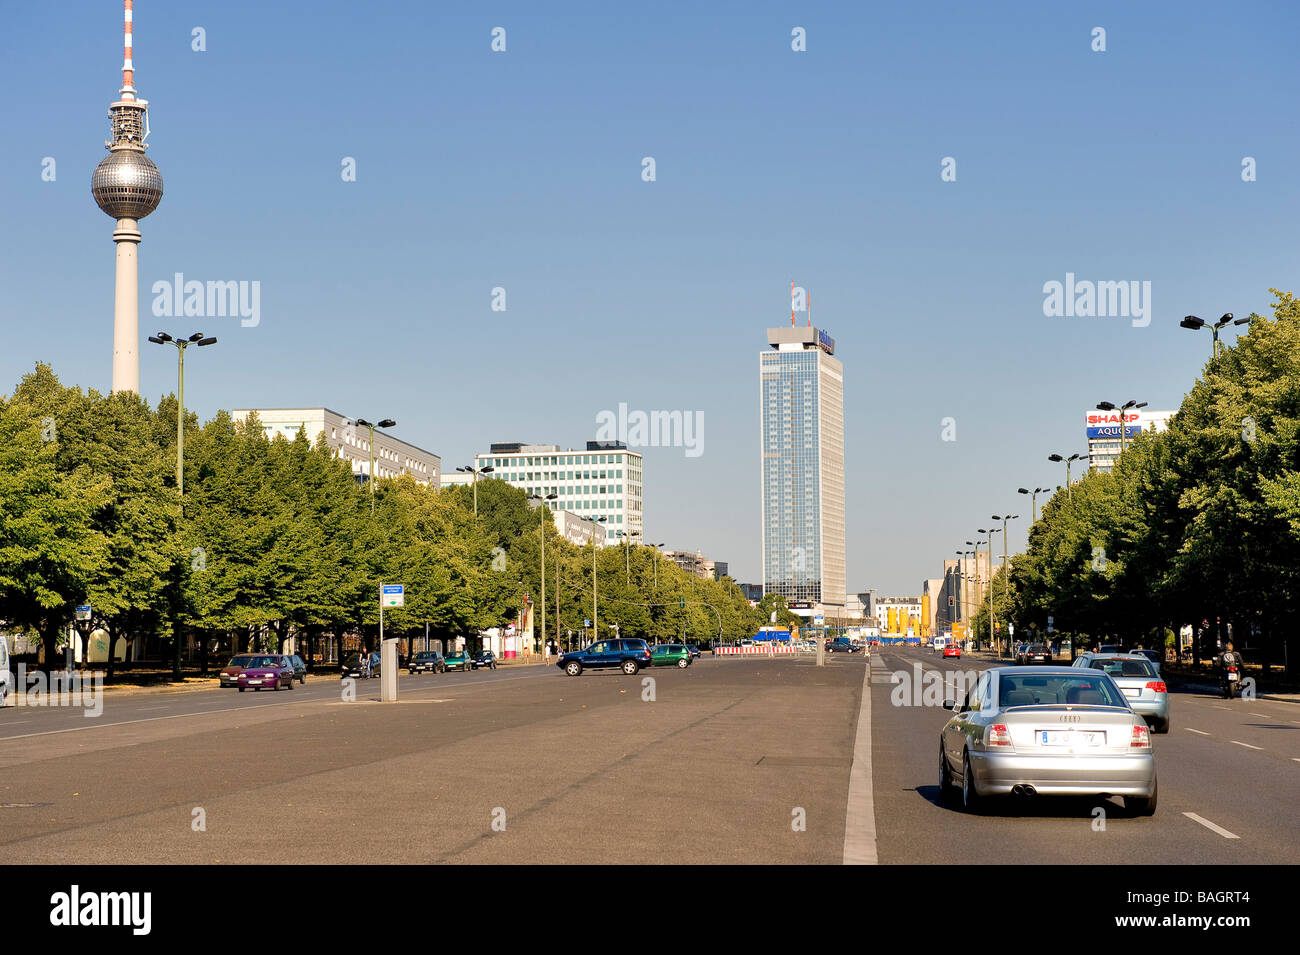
(670, 655)
(457, 661)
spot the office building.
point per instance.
(605, 480)
(350, 442)
(1102, 431)
(801, 390)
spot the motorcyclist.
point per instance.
(1229, 658)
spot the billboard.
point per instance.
(1106, 424)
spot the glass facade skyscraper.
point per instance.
(801, 390)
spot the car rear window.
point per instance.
(1080, 689)
(1121, 668)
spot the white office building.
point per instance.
(605, 480)
(1104, 435)
(350, 442)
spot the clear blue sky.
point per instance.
(523, 170)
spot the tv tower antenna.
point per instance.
(127, 186)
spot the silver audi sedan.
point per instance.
(1140, 681)
(1051, 731)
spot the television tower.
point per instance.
(128, 186)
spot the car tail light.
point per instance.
(1158, 685)
(998, 735)
(1141, 737)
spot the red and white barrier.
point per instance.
(757, 650)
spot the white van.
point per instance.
(939, 643)
(6, 677)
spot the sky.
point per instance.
(523, 170)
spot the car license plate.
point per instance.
(254, 682)
(1132, 691)
(1232, 676)
(1070, 738)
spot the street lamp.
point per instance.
(1006, 569)
(162, 338)
(1194, 323)
(1034, 495)
(989, 543)
(656, 562)
(627, 548)
(1123, 428)
(541, 529)
(370, 478)
(595, 609)
(1069, 488)
(470, 469)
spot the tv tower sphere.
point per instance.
(127, 184)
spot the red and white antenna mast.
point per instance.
(128, 69)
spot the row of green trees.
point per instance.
(1198, 523)
(277, 537)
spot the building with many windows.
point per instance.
(605, 480)
(801, 391)
(1104, 440)
(350, 442)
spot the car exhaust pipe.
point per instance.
(1022, 790)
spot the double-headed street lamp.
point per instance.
(1195, 324)
(1069, 488)
(1034, 495)
(1123, 428)
(991, 531)
(162, 338)
(627, 548)
(541, 529)
(370, 478)
(656, 562)
(470, 469)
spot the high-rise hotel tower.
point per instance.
(801, 390)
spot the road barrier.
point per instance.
(756, 650)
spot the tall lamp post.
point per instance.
(1034, 494)
(370, 478)
(595, 609)
(1195, 324)
(470, 469)
(990, 532)
(656, 562)
(1123, 428)
(162, 338)
(1006, 567)
(627, 549)
(1069, 488)
(541, 530)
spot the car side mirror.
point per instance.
(950, 705)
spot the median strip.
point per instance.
(860, 813)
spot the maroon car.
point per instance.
(230, 675)
(266, 671)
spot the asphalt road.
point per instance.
(719, 767)
(734, 760)
(1234, 764)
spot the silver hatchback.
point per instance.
(1066, 731)
(1140, 680)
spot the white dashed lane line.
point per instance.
(1201, 732)
(1247, 745)
(1211, 826)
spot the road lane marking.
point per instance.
(860, 813)
(1247, 745)
(1211, 826)
(1190, 730)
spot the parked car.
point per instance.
(840, 645)
(485, 660)
(1051, 731)
(457, 660)
(1139, 679)
(427, 661)
(299, 667)
(266, 671)
(626, 655)
(352, 666)
(6, 676)
(229, 675)
(670, 654)
(1035, 653)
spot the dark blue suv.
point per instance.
(626, 655)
